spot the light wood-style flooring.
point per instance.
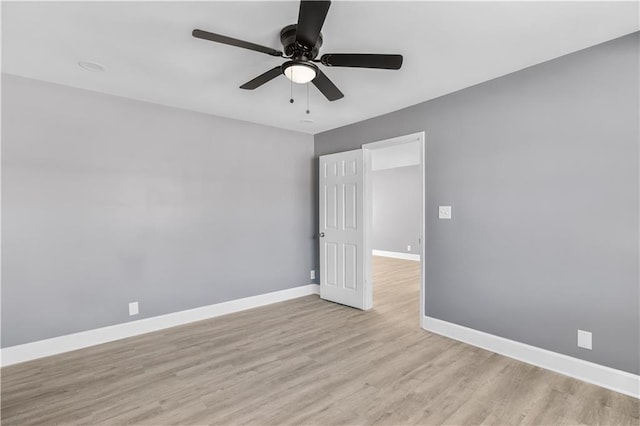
(304, 361)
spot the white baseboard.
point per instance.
(70, 342)
(396, 255)
(610, 378)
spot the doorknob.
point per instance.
(321, 234)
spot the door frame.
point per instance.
(368, 208)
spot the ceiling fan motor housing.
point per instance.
(296, 50)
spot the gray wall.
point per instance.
(106, 200)
(396, 209)
(541, 168)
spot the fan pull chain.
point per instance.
(308, 111)
(291, 81)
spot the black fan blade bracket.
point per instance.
(362, 60)
(218, 38)
(311, 18)
(326, 87)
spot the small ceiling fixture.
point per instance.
(299, 72)
(91, 66)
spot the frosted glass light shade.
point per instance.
(300, 73)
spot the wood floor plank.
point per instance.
(304, 361)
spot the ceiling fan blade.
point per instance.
(262, 79)
(326, 86)
(362, 60)
(205, 35)
(310, 19)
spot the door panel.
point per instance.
(331, 269)
(350, 267)
(350, 192)
(331, 206)
(342, 260)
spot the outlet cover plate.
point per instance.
(584, 339)
(313, 274)
(133, 308)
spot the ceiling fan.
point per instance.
(302, 42)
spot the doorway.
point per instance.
(346, 222)
(394, 198)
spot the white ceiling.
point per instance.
(150, 55)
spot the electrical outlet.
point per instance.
(313, 274)
(584, 339)
(408, 248)
(133, 308)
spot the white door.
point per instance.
(342, 248)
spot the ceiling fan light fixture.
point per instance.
(301, 43)
(299, 72)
